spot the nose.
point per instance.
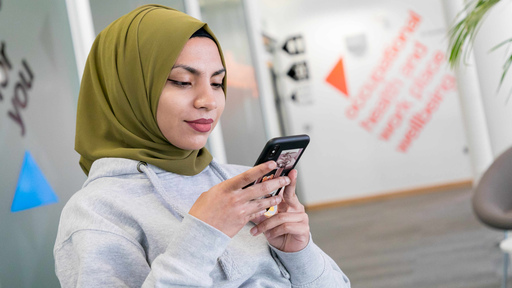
(205, 97)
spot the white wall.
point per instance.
(344, 159)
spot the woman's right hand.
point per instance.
(228, 207)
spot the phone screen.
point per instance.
(285, 163)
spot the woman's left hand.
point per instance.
(288, 229)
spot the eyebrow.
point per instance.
(197, 72)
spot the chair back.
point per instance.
(492, 198)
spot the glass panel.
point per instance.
(242, 122)
(38, 86)
(104, 12)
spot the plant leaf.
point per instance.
(506, 65)
(464, 32)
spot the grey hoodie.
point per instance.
(128, 227)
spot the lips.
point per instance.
(201, 125)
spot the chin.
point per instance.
(192, 145)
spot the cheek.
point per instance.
(221, 104)
(166, 113)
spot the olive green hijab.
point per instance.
(125, 73)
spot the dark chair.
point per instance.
(492, 202)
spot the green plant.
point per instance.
(463, 33)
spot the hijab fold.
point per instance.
(124, 75)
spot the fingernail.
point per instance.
(254, 230)
(272, 165)
(288, 181)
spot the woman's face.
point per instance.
(192, 100)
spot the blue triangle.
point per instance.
(33, 190)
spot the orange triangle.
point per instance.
(337, 78)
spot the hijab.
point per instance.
(125, 73)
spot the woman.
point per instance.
(156, 209)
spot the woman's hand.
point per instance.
(228, 207)
(288, 229)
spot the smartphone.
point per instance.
(286, 152)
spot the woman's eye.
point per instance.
(179, 83)
(217, 85)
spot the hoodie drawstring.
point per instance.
(155, 181)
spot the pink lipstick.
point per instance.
(201, 125)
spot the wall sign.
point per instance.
(295, 45)
(33, 190)
(378, 75)
(337, 78)
(401, 90)
(299, 71)
(357, 44)
(20, 88)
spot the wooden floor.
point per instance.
(428, 240)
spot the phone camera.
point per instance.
(273, 152)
